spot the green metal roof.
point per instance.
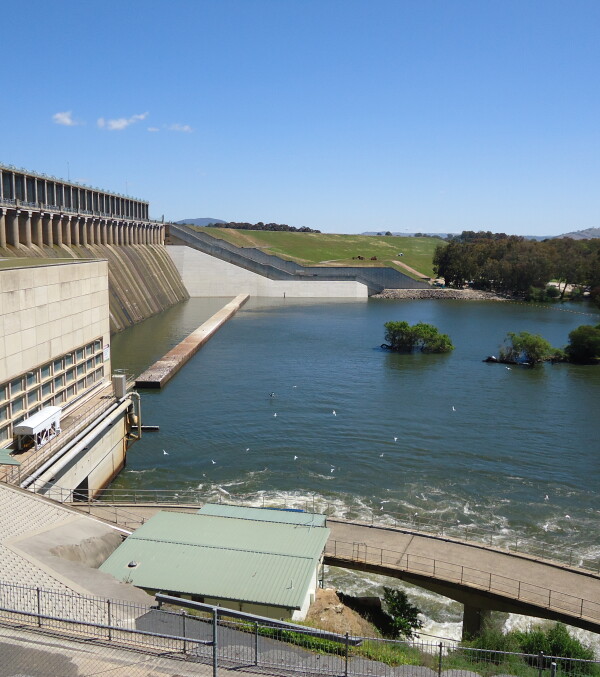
(264, 514)
(7, 459)
(226, 558)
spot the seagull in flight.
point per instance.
(380, 455)
(295, 458)
(395, 439)
(508, 368)
(275, 415)
(166, 453)
(546, 497)
(453, 409)
(213, 462)
(333, 412)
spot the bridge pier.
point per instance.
(474, 620)
(2, 228)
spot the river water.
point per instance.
(432, 437)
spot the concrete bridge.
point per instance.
(40, 210)
(482, 578)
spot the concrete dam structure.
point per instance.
(213, 267)
(44, 217)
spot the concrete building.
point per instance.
(256, 560)
(55, 353)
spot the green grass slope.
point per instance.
(311, 249)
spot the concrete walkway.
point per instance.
(469, 572)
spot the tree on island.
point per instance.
(584, 344)
(400, 336)
(526, 348)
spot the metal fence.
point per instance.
(226, 643)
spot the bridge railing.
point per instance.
(522, 591)
(424, 523)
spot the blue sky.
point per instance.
(342, 115)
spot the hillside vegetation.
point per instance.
(312, 249)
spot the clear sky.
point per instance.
(342, 115)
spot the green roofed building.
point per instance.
(256, 560)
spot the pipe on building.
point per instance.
(71, 450)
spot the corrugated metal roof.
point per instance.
(228, 558)
(264, 514)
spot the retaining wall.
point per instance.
(143, 280)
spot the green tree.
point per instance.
(526, 347)
(400, 336)
(404, 616)
(584, 344)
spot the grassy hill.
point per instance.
(311, 249)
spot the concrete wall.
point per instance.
(48, 310)
(142, 280)
(205, 275)
(100, 461)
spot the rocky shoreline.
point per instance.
(438, 293)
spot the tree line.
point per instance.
(511, 264)
(262, 226)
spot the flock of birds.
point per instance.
(273, 395)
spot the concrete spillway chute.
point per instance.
(39, 428)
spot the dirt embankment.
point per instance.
(328, 613)
(438, 293)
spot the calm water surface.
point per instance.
(478, 445)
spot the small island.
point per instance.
(404, 338)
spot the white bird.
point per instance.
(166, 453)
(380, 455)
(387, 501)
(247, 448)
(545, 527)
(453, 409)
(274, 415)
(295, 458)
(332, 470)
(381, 508)
(546, 497)
(294, 386)
(395, 439)
(508, 368)
(213, 462)
(333, 412)
(568, 517)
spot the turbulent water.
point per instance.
(513, 452)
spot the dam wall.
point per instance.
(375, 278)
(207, 275)
(143, 280)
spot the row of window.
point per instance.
(55, 383)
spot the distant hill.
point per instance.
(587, 234)
(200, 222)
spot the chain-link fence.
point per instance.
(211, 641)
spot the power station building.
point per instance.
(55, 360)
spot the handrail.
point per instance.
(553, 600)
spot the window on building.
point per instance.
(80, 369)
(33, 396)
(4, 434)
(3, 413)
(17, 405)
(80, 353)
(59, 382)
(47, 389)
(58, 365)
(46, 372)
(17, 386)
(70, 375)
(68, 359)
(32, 378)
